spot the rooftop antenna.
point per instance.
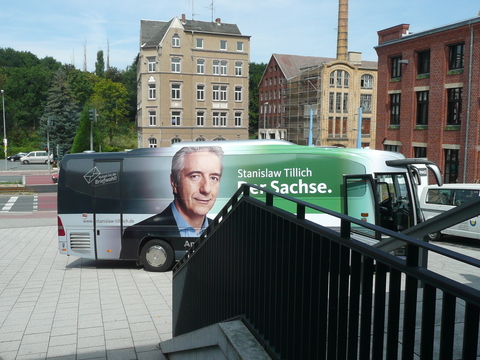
(212, 7)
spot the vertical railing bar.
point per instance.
(428, 322)
(447, 326)
(409, 318)
(354, 306)
(379, 311)
(333, 301)
(393, 324)
(342, 339)
(470, 332)
(366, 308)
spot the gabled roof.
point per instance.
(292, 65)
(152, 32)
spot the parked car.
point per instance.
(16, 156)
(55, 178)
(435, 200)
(38, 157)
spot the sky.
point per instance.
(68, 30)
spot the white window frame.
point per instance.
(216, 67)
(152, 118)
(152, 64)
(238, 68)
(366, 81)
(176, 64)
(238, 93)
(223, 67)
(216, 119)
(238, 119)
(223, 92)
(200, 92)
(223, 45)
(152, 142)
(216, 92)
(199, 43)
(200, 118)
(200, 66)
(240, 46)
(176, 40)
(176, 118)
(175, 91)
(152, 91)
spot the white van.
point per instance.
(435, 200)
(38, 157)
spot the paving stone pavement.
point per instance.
(57, 307)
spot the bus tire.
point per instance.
(157, 255)
(436, 236)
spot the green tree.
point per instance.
(61, 115)
(100, 64)
(86, 129)
(256, 72)
(111, 101)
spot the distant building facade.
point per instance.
(325, 94)
(428, 97)
(193, 79)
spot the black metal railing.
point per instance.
(309, 292)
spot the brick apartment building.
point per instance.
(192, 82)
(428, 96)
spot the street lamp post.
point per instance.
(4, 129)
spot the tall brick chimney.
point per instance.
(342, 35)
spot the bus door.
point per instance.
(360, 201)
(107, 207)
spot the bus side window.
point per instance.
(462, 196)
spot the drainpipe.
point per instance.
(469, 95)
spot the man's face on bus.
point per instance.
(198, 185)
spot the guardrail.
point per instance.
(309, 292)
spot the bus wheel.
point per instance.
(157, 255)
(435, 236)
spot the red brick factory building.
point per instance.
(429, 95)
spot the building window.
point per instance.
(396, 67)
(337, 127)
(223, 67)
(176, 40)
(152, 142)
(200, 66)
(216, 67)
(201, 92)
(331, 102)
(216, 119)
(176, 65)
(176, 94)
(200, 138)
(223, 119)
(456, 56)
(366, 82)
(238, 93)
(238, 119)
(151, 64)
(219, 138)
(339, 103)
(424, 62)
(422, 108)
(339, 78)
(451, 166)
(176, 117)
(199, 43)
(366, 103)
(394, 148)
(419, 152)
(239, 45)
(366, 128)
(223, 93)
(152, 92)
(200, 118)
(223, 44)
(395, 109)
(345, 102)
(152, 118)
(176, 139)
(238, 68)
(454, 110)
(216, 93)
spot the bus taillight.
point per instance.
(61, 230)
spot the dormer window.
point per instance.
(176, 40)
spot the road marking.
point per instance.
(9, 204)
(35, 203)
